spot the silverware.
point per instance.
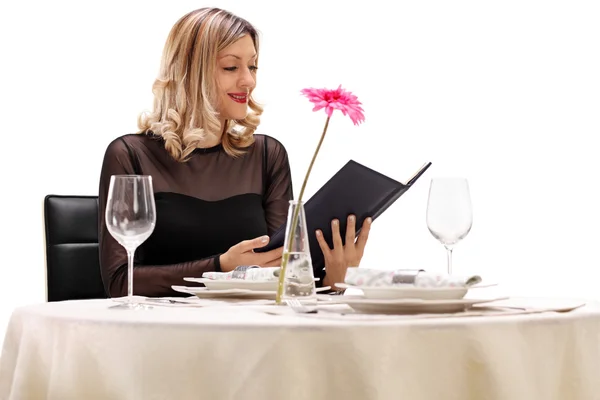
(300, 308)
(168, 301)
(565, 309)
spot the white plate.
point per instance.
(225, 284)
(205, 292)
(222, 284)
(410, 306)
(408, 292)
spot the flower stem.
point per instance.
(286, 254)
(312, 162)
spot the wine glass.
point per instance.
(449, 214)
(130, 219)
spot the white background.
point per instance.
(505, 93)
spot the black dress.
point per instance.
(203, 207)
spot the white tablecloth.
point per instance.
(82, 350)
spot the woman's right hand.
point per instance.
(243, 254)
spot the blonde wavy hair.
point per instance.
(185, 91)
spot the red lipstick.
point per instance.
(239, 97)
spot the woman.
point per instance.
(220, 189)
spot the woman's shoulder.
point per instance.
(269, 143)
(275, 154)
(132, 142)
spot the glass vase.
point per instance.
(298, 278)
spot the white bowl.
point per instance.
(409, 292)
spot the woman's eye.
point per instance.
(252, 68)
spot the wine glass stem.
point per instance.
(130, 253)
(449, 253)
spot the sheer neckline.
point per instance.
(197, 150)
(212, 149)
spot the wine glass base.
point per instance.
(131, 306)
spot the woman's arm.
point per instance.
(148, 280)
(278, 186)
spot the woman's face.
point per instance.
(236, 77)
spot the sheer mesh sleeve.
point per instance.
(278, 191)
(149, 280)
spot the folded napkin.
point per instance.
(419, 278)
(246, 272)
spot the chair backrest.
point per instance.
(72, 258)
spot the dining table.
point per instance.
(219, 348)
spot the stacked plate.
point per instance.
(232, 288)
(402, 299)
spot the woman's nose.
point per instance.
(247, 79)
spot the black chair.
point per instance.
(72, 258)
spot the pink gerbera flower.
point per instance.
(337, 99)
(330, 100)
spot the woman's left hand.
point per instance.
(342, 256)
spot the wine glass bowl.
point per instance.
(130, 218)
(128, 227)
(449, 212)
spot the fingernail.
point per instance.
(351, 218)
(369, 220)
(318, 232)
(264, 239)
(335, 221)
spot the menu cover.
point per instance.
(354, 189)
